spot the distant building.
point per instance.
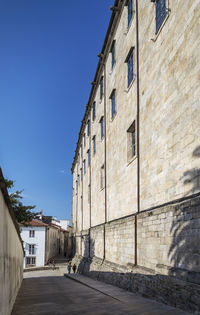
(62, 223)
(42, 242)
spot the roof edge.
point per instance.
(94, 87)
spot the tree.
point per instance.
(22, 213)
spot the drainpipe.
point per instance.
(82, 223)
(90, 186)
(82, 200)
(105, 158)
(137, 126)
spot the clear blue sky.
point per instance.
(48, 57)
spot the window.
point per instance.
(130, 10)
(102, 127)
(113, 54)
(76, 186)
(160, 13)
(84, 140)
(84, 167)
(102, 177)
(30, 261)
(88, 127)
(31, 233)
(94, 144)
(31, 249)
(101, 88)
(131, 138)
(81, 170)
(88, 152)
(113, 105)
(94, 111)
(129, 61)
(78, 180)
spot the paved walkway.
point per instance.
(48, 292)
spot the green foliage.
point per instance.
(22, 213)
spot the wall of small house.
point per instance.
(38, 240)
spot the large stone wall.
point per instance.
(169, 238)
(120, 241)
(163, 103)
(168, 253)
(97, 241)
(11, 254)
(169, 125)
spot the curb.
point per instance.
(40, 268)
(91, 287)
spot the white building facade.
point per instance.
(34, 238)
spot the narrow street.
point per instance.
(49, 292)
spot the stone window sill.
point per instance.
(101, 99)
(130, 85)
(160, 29)
(129, 26)
(112, 69)
(112, 118)
(132, 159)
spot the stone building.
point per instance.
(136, 170)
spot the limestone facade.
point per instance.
(169, 117)
(134, 202)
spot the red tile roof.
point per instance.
(33, 223)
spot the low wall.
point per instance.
(11, 253)
(168, 253)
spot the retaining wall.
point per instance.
(11, 253)
(168, 253)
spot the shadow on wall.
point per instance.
(192, 177)
(71, 247)
(184, 251)
(89, 252)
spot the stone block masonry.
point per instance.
(168, 252)
(147, 154)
